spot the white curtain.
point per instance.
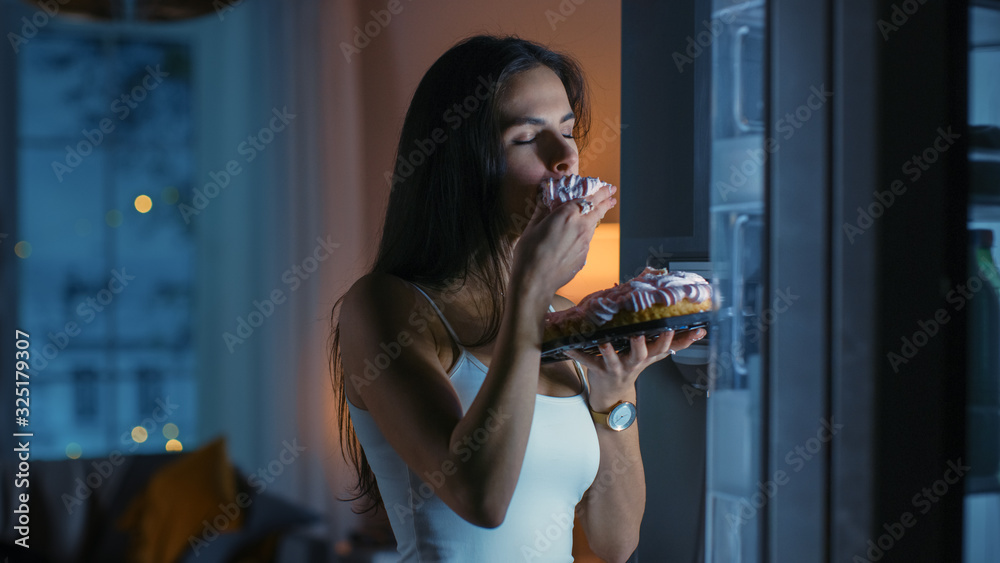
(297, 206)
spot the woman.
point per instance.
(480, 454)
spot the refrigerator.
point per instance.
(845, 157)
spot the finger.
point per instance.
(604, 192)
(539, 213)
(584, 205)
(687, 338)
(662, 345)
(603, 207)
(638, 351)
(586, 360)
(612, 361)
(603, 196)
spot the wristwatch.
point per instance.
(621, 416)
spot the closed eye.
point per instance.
(532, 140)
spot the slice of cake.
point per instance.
(653, 294)
(568, 188)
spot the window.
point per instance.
(85, 395)
(105, 139)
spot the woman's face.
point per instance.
(537, 128)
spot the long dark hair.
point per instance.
(445, 223)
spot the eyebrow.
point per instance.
(536, 120)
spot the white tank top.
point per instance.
(560, 463)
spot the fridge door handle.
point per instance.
(739, 115)
(739, 239)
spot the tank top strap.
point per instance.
(440, 315)
(579, 368)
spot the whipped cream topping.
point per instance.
(641, 292)
(569, 188)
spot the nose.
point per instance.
(564, 157)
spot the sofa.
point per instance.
(162, 508)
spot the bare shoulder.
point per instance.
(382, 322)
(375, 293)
(385, 307)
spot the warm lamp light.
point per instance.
(22, 249)
(143, 204)
(139, 434)
(73, 450)
(170, 431)
(601, 271)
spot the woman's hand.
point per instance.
(553, 246)
(612, 376)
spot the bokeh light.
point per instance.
(170, 195)
(22, 249)
(113, 218)
(73, 450)
(174, 446)
(143, 204)
(170, 431)
(139, 434)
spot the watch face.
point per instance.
(622, 416)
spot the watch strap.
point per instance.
(600, 417)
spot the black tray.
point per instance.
(552, 351)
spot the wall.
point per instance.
(395, 60)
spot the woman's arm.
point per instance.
(473, 461)
(416, 408)
(611, 510)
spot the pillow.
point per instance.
(267, 517)
(182, 499)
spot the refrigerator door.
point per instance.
(820, 439)
(734, 521)
(982, 485)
